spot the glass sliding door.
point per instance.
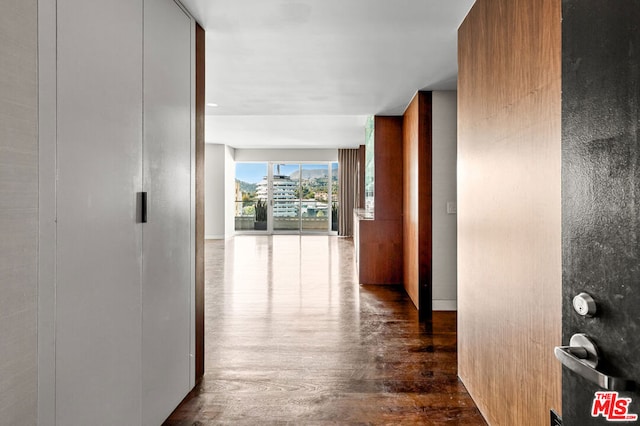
(285, 207)
(286, 197)
(251, 197)
(314, 197)
(334, 197)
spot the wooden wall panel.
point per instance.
(388, 168)
(200, 108)
(416, 146)
(380, 260)
(509, 240)
(380, 241)
(425, 201)
(411, 218)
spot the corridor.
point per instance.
(291, 338)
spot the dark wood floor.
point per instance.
(291, 338)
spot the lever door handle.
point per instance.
(581, 357)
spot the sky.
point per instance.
(255, 172)
(251, 172)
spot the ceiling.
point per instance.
(307, 73)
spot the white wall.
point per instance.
(286, 154)
(18, 212)
(230, 190)
(444, 151)
(214, 191)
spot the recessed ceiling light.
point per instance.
(211, 104)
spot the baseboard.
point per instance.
(214, 237)
(445, 305)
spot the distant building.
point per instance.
(285, 198)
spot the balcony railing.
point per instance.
(315, 218)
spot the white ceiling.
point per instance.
(306, 73)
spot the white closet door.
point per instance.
(99, 244)
(166, 283)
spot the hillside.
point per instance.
(310, 174)
(246, 186)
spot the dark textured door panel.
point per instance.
(601, 191)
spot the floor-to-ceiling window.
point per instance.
(286, 197)
(250, 208)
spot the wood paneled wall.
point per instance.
(380, 240)
(388, 167)
(509, 215)
(380, 259)
(416, 147)
(200, 107)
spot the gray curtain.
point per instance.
(348, 169)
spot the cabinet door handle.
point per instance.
(143, 207)
(581, 357)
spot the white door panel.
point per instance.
(99, 243)
(167, 262)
